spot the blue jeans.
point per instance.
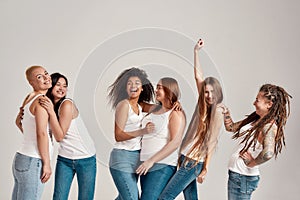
(153, 183)
(122, 166)
(240, 187)
(27, 175)
(85, 169)
(183, 180)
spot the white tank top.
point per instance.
(77, 142)
(133, 123)
(154, 142)
(29, 145)
(236, 164)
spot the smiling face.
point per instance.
(39, 79)
(209, 94)
(134, 87)
(262, 104)
(159, 92)
(59, 90)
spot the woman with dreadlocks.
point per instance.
(201, 137)
(261, 137)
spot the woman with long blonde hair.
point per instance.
(201, 137)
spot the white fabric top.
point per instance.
(154, 142)
(77, 143)
(29, 145)
(133, 123)
(236, 164)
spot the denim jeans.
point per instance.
(27, 175)
(183, 180)
(153, 183)
(122, 166)
(240, 187)
(85, 170)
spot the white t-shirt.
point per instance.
(77, 143)
(133, 123)
(154, 142)
(29, 145)
(236, 163)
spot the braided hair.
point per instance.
(278, 114)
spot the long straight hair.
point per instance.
(205, 112)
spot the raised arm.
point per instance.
(176, 128)
(121, 116)
(41, 118)
(198, 72)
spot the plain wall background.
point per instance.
(250, 43)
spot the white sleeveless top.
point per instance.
(29, 145)
(154, 142)
(236, 163)
(77, 143)
(133, 123)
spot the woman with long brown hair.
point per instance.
(159, 151)
(201, 137)
(260, 135)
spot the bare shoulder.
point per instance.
(177, 115)
(123, 105)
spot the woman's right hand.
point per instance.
(46, 173)
(46, 103)
(150, 127)
(199, 45)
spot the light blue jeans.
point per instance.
(240, 187)
(183, 180)
(122, 166)
(85, 170)
(27, 175)
(153, 183)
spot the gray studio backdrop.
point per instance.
(247, 44)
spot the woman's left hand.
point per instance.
(144, 167)
(201, 177)
(177, 106)
(247, 158)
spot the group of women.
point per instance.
(151, 145)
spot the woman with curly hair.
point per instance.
(129, 95)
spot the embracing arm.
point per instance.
(67, 110)
(176, 128)
(41, 118)
(121, 116)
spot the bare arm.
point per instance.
(67, 111)
(176, 127)
(230, 126)
(19, 117)
(121, 116)
(41, 118)
(268, 148)
(198, 72)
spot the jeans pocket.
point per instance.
(252, 184)
(22, 162)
